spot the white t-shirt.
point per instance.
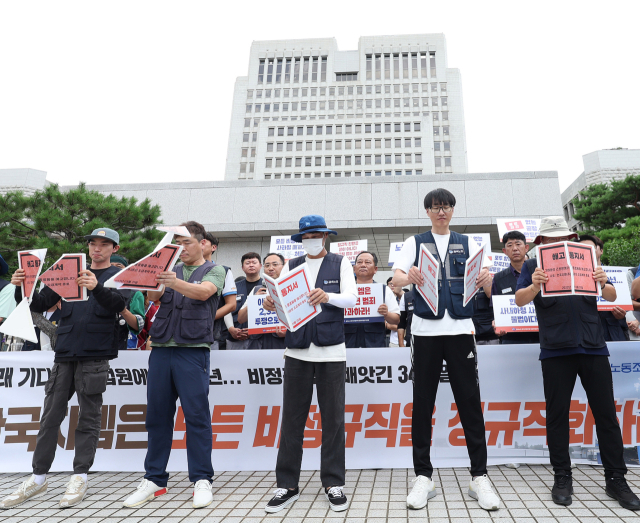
(346, 298)
(229, 284)
(393, 336)
(446, 326)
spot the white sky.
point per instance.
(141, 91)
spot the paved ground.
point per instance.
(376, 496)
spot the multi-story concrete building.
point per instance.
(599, 167)
(309, 110)
(26, 181)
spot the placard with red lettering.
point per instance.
(349, 249)
(370, 297)
(569, 267)
(259, 319)
(472, 269)
(290, 293)
(430, 269)
(63, 274)
(618, 278)
(509, 317)
(31, 262)
(142, 274)
(527, 226)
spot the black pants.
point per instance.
(559, 377)
(297, 393)
(428, 354)
(88, 379)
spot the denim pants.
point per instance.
(87, 379)
(298, 391)
(178, 372)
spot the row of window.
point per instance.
(332, 105)
(340, 174)
(246, 137)
(346, 144)
(396, 65)
(437, 116)
(317, 161)
(348, 128)
(279, 70)
(347, 90)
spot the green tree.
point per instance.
(609, 205)
(58, 221)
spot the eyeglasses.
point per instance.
(446, 208)
(269, 265)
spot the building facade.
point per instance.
(599, 167)
(308, 110)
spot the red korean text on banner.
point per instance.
(62, 277)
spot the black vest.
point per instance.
(88, 330)
(567, 321)
(613, 328)
(241, 298)
(220, 331)
(184, 319)
(450, 277)
(483, 316)
(507, 282)
(327, 328)
(366, 335)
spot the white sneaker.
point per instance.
(480, 489)
(202, 495)
(146, 491)
(76, 490)
(29, 489)
(423, 490)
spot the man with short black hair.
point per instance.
(446, 336)
(251, 265)
(515, 247)
(273, 265)
(87, 339)
(572, 344)
(614, 322)
(368, 335)
(179, 367)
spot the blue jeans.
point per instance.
(178, 372)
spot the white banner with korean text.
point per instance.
(246, 411)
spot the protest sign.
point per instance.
(287, 247)
(370, 297)
(290, 295)
(499, 262)
(529, 227)
(31, 262)
(476, 241)
(142, 274)
(569, 267)
(349, 249)
(618, 278)
(472, 269)
(19, 323)
(509, 317)
(429, 268)
(260, 320)
(176, 230)
(63, 274)
(394, 250)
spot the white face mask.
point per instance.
(313, 246)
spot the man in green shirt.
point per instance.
(179, 368)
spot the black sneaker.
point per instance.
(283, 497)
(337, 499)
(562, 489)
(618, 488)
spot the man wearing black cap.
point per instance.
(87, 339)
(316, 350)
(572, 344)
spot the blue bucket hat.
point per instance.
(311, 223)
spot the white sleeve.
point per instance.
(391, 303)
(401, 307)
(229, 284)
(348, 290)
(228, 320)
(407, 256)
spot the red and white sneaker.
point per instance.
(146, 491)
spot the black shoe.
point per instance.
(618, 488)
(337, 499)
(562, 489)
(283, 498)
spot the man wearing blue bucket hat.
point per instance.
(316, 350)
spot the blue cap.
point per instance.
(311, 223)
(4, 268)
(107, 234)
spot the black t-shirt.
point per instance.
(251, 285)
